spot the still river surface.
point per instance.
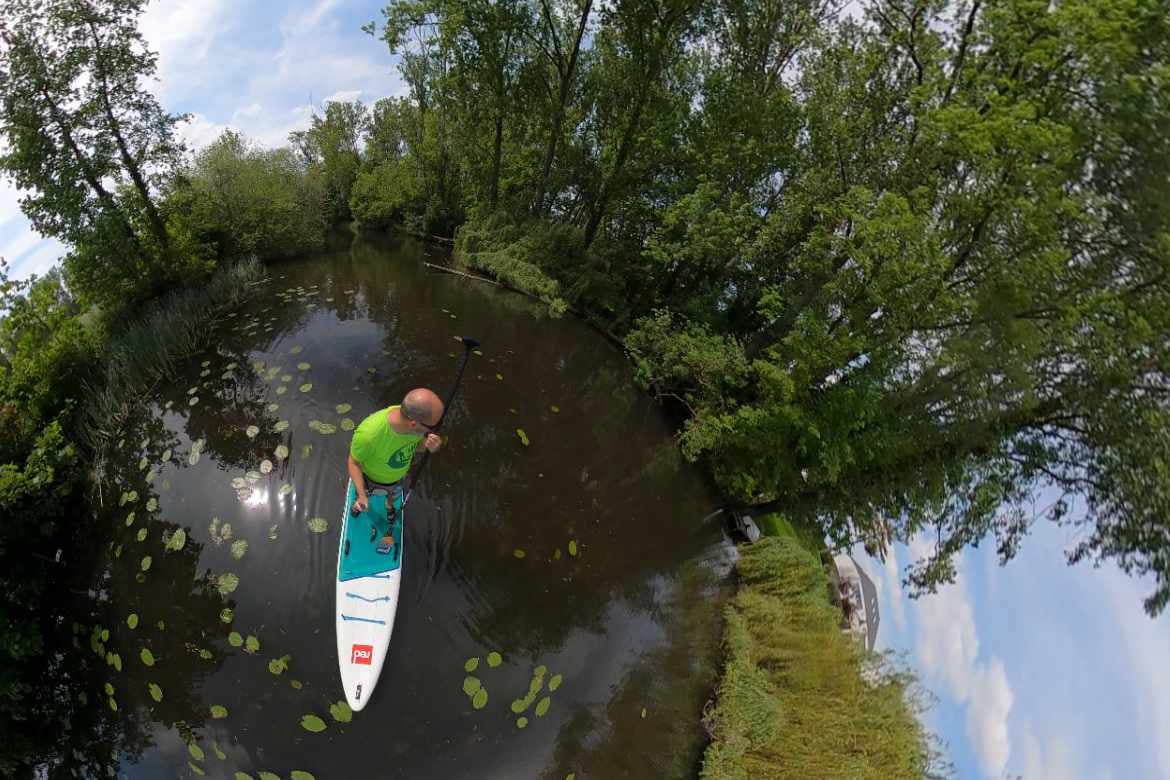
(630, 623)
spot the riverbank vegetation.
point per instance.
(799, 698)
(897, 271)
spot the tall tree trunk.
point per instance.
(496, 155)
(597, 213)
(156, 223)
(91, 178)
(567, 75)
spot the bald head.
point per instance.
(422, 405)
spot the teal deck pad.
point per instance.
(363, 559)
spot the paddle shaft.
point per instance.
(468, 345)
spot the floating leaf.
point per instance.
(542, 706)
(152, 505)
(218, 711)
(281, 390)
(306, 387)
(285, 489)
(312, 723)
(155, 692)
(239, 482)
(205, 364)
(296, 684)
(205, 654)
(253, 477)
(521, 722)
(523, 436)
(132, 621)
(129, 519)
(194, 400)
(286, 378)
(196, 768)
(341, 712)
(500, 377)
(471, 664)
(265, 466)
(193, 390)
(480, 699)
(251, 431)
(193, 457)
(471, 685)
(142, 534)
(571, 776)
(161, 625)
(297, 774)
(145, 564)
(556, 409)
(557, 554)
(177, 540)
(272, 531)
(227, 583)
(318, 525)
(518, 706)
(303, 366)
(347, 424)
(554, 682)
(239, 547)
(494, 659)
(281, 452)
(278, 666)
(573, 548)
(235, 639)
(267, 776)
(251, 644)
(272, 407)
(518, 553)
(218, 753)
(281, 426)
(296, 350)
(643, 713)
(477, 351)
(195, 751)
(109, 689)
(306, 449)
(342, 408)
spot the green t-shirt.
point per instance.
(383, 454)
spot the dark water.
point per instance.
(630, 622)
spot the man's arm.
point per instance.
(359, 483)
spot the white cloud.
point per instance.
(200, 131)
(892, 579)
(183, 33)
(344, 96)
(987, 716)
(1046, 759)
(948, 652)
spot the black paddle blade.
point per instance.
(469, 342)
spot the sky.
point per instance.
(1039, 669)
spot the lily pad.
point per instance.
(518, 553)
(500, 377)
(152, 505)
(109, 689)
(177, 540)
(239, 547)
(494, 659)
(306, 387)
(573, 548)
(267, 776)
(556, 409)
(251, 644)
(132, 621)
(227, 583)
(272, 407)
(281, 452)
(542, 707)
(218, 711)
(286, 378)
(521, 722)
(196, 768)
(142, 534)
(281, 390)
(227, 615)
(318, 525)
(298, 774)
(205, 654)
(116, 660)
(312, 723)
(279, 666)
(347, 424)
(471, 685)
(235, 639)
(155, 692)
(215, 749)
(193, 457)
(194, 400)
(129, 519)
(265, 466)
(296, 684)
(480, 699)
(272, 532)
(251, 431)
(303, 366)
(239, 482)
(253, 477)
(306, 450)
(471, 664)
(195, 751)
(523, 436)
(342, 408)
(145, 564)
(285, 489)
(554, 682)
(341, 712)
(146, 656)
(281, 426)
(296, 350)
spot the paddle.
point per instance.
(468, 345)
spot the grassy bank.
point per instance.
(797, 698)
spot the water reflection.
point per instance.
(617, 590)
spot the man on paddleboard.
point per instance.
(384, 445)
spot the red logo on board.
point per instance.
(362, 654)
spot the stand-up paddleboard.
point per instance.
(368, 581)
(367, 593)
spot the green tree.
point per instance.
(331, 147)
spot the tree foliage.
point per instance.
(899, 271)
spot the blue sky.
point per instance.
(1040, 669)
